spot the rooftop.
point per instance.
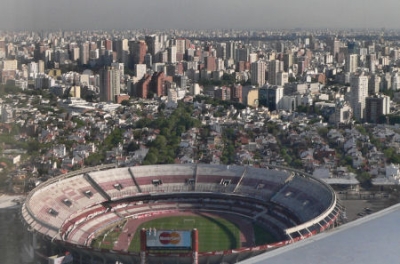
(371, 239)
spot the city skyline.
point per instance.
(207, 14)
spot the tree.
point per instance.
(113, 139)
(125, 103)
(151, 158)
(132, 147)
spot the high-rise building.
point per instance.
(271, 97)
(221, 50)
(282, 78)
(209, 63)
(137, 52)
(75, 54)
(253, 57)
(343, 113)
(10, 65)
(153, 45)
(370, 61)
(140, 70)
(395, 81)
(181, 81)
(237, 90)
(172, 51)
(110, 84)
(258, 73)
(287, 61)
(358, 94)
(374, 84)
(273, 69)
(41, 66)
(84, 53)
(157, 84)
(108, 44)
(122, 48)
(351, 64)
(143, 87)
(242, 54)
(376, 107)
(230, 50)
(33, 68)
(2, 48)
(93, 46)
(180, 48)
(335, 48)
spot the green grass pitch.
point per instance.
(214, 233)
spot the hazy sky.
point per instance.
(200, 14)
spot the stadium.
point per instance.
(74, 211)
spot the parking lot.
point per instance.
(359, 208)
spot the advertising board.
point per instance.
(168, 239)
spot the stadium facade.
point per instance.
(70, 211)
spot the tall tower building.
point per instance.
(242, 54)
(157, 84)
(287, 61)
(370, 61)
(282, 78)
(258, 73)
(336, 44)
(137, 51)
(374, 84)
(358, 94)
(2, 48)
(237, 93)
(351, 64)
(180, 48)
(221, 50)
(271, 97)
(153, 45)
(273, 69)
(122, 48)
(110, 84)
(172, 54)
(140, 70)
(376, 107)
(209, 63)
(108, 44)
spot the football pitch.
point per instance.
(215, 233)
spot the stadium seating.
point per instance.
(77, 207)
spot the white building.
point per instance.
(358, 94)
(351, 64)
(140, 70)
(10, 65)
(282, 78)
(258, 73)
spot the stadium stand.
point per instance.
(75, 208)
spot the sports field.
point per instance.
(215, 233)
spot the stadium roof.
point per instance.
(371, 239)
